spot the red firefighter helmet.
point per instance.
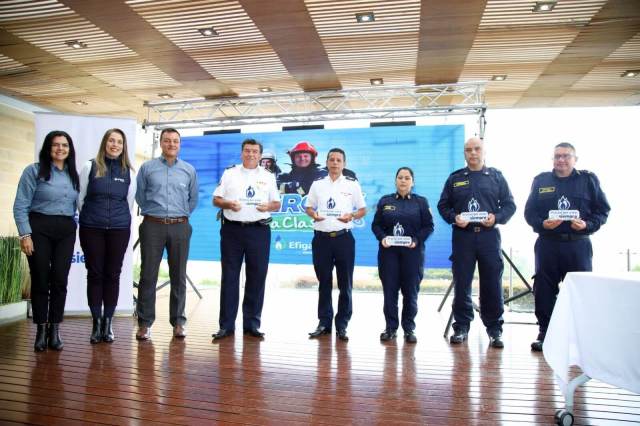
(303, 146)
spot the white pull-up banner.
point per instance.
(87, 133)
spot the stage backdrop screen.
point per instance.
(373, 154)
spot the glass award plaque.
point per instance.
(400, 241)
(474, 216)
(251, 198)
(564, 214)
(329, 212)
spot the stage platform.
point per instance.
(287, 378)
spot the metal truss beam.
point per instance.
(376, 102)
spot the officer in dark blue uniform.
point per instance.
(402, 214)
(475, 199)
(564, 207)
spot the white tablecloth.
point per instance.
(596, 326)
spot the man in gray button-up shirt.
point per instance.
(167, 194)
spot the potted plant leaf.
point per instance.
(12, 277)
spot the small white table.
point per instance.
(596, 326)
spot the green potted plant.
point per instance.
(12, 277)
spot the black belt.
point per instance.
(262, 222)
(474, 228)
(167, 220)
(332, 234)
(565, 237)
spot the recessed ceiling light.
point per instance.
(76, 44)
(365, 17)
(208, 32)
(165, 95)
(544, 6)
(499, 77)
(630, 73)
(265, 89)
(376, 81)
(79, 103)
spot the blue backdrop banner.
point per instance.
(373, 154)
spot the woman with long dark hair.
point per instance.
(402, 224)
(44, 208)
(108, 187)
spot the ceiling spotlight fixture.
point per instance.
(165, 95)
(544, 6)
(630, 73)
(365, 17)
(265, 89)
(208, 32)
(79, 103)
(376, 81)
(499, 77)
(76, 44)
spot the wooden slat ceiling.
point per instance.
(139, 49)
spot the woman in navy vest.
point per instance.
(43, 210)
(107, 189)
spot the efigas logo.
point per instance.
(281, 244)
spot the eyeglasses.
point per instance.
(563, 156)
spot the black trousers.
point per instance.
(553, 260)
(328, 252)
(251, 244)
(399, 269)
(103, 254)
(154, 238)
(53, 240)
(484, 248)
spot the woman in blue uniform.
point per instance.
(43, 210)
(108, 187)
(402, 214)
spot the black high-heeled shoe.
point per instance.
(40, 344)
(96, 331)
(107, 330)
(55, 342)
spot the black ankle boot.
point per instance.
(96, 331)
(41, 338)
(55, 342)
(107, 331)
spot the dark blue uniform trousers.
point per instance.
(251, 243)
(553, 260)
(327, 252)
(400, 269)
(483, 247)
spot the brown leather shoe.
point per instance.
(144, 333)
(179, 331)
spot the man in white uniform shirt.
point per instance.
(246, 194)
(333, 203)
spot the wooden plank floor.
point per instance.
(287, 378)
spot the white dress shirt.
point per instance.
(332, 199)
(250, 187)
